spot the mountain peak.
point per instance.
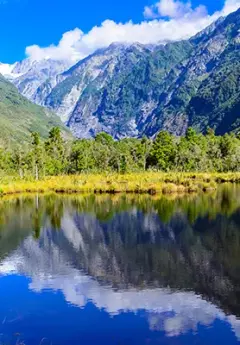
(131, 89)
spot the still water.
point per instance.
(120, 270)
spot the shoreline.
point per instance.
(151, 183)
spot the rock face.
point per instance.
(135, 90)
(114, 90)
(31, 74)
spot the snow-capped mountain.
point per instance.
(64, 93)
(27, 75)
(131, 90)
(34, 73)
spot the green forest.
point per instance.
(193, 152)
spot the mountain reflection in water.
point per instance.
(174, 261)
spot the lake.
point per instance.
(120, 270)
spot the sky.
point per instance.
(73, 29)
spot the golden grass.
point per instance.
(148, 182)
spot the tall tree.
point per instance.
(55, 150)
(36, 154)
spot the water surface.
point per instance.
(120, 269)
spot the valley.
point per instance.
(136, 90)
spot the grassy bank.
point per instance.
(149, 182)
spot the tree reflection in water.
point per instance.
(176, 257)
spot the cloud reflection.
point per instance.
(174, 313)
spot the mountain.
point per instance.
(206, 92)
(19, 117)
(217, 101)
(113, 90)
(135, 90)
(28, 74)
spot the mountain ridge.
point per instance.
(132, 90)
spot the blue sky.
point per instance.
(33, 22)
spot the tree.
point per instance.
(144, 151)
(19, 161)
(191, 152)
(36, 154)
(230, 151)
(191, 135)
(56, 156)
(163, 151)
(213, 151)
(104, 138)
(81, 156)
(5, 159)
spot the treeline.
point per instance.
(55, 156)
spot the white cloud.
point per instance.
(167, 20)
(168, 8)
(230, 6)
(175, 9)
(5, 68)
(66, 49)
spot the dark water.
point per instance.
(120, 270)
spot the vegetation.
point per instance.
(166, 164)
(141, 91)
(138, 74)
(19, 117)
(217, 100)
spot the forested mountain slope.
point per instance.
(19, 117)
(135, 90)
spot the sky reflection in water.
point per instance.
(120, 270)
